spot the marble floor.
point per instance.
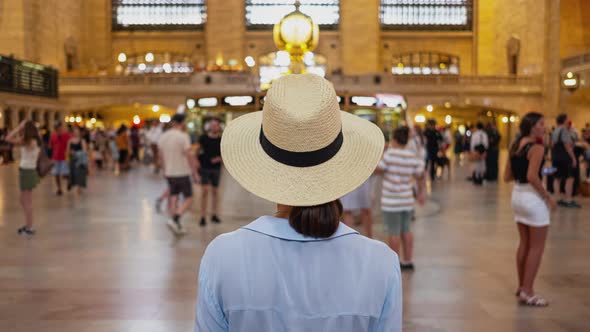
(107, 262)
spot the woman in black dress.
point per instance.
(78, 154)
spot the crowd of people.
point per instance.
(306, 217)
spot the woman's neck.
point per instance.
(283, 211)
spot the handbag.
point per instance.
(44, 164)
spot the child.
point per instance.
(399, 166)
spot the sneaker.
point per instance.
(59, 193)
(561, 202)
(215, 220)
(406, 266)
(176, 227)
(203, 222)
(26, 231)
(573, 204)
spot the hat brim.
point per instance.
(269, 179)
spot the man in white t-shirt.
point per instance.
(178, 163)
(479, 146)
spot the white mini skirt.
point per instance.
(528, 206)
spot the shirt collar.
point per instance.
(280, 228)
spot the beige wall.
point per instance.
(497, 21)
(97, 40)
(359, 35)
(12, 31)
(224, 31)
(36, 30)
(575, 27)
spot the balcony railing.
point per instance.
(510, 80)
(576, 60)
(159, 79)
(247, 82)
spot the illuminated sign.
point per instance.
(207, 102)
(238, 100)
(364, 101)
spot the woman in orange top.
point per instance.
(122, 141)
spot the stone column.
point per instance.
(359, 34)
(13, 117)
(51, 119)
(552, 63)
(225, 30)
(2, 116)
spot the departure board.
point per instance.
(27, 78)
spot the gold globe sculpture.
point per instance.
(296, 34)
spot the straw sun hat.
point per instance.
(301, 150)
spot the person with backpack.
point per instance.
(493, 153)
(433, 142)
(26, 136)
(564, 160)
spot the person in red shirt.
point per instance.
(59, 144)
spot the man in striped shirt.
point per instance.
(400, 166)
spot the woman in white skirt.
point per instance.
(359, 199)
(531, 204)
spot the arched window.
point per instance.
(425, 63)
(427, 14)
(263, 14)
(158, 14)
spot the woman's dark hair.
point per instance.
(121, 129)
(31, 133)
(319, 221)
(561, 118)
(401, 135)
(479, 125)
(526, 125)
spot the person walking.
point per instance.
(400, 166)
(27, 137)
(458, 146)
(209, 151)
(531, 204)
(294, 271)
(359, 199)
(564, 160)
(122, 140)
(178, 163)
(433, 141)
(478, 146)
(78, 157)
(135, 143)
(493, 152)
(153, 137)
(58, 143)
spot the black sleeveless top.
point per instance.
(75, 147)
(519, 163)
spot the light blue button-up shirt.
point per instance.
(267, 277)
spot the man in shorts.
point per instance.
(178, 163)
(399, 167)
(564, 160)
(210, 160)
(58, 143)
